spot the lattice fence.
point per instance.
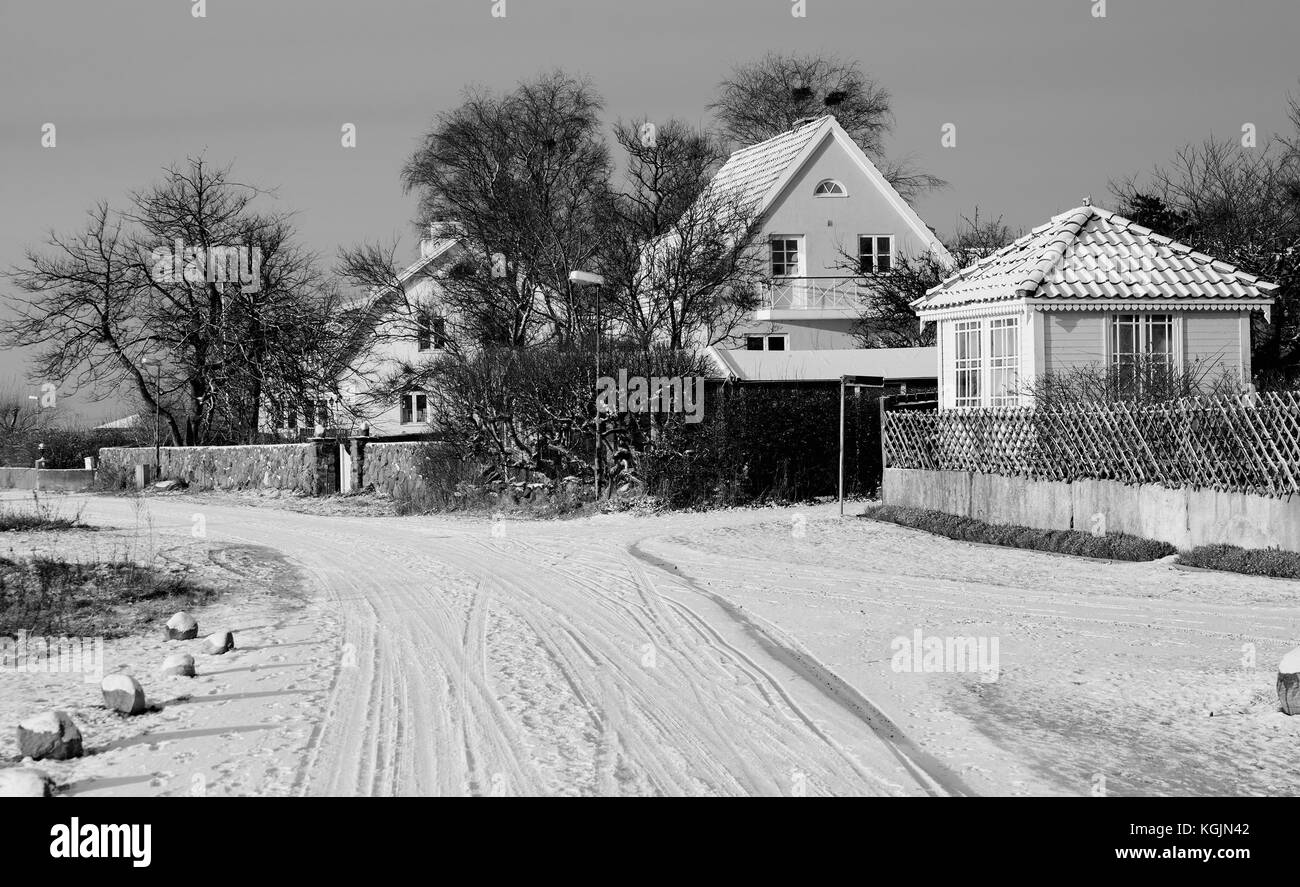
(1245, 444)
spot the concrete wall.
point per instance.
(1184, 518)
(273, 466)
(64, 479)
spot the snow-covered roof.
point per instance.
(754, 177)
(750, 173)
(827, 365)
(1090, 253)
(125, 423)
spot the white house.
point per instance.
(1089, 288)
(412, 326)
(829, 220)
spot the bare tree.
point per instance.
(523, 175)
(888, 319)
(768, 96)
(678, 257)
(1241, 205)
(21, 420)
(166, 281)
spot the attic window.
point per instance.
(829, 188)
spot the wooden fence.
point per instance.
(1243, 444)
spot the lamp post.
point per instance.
(579, 279)
(157, 397)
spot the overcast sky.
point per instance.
(1050, 102)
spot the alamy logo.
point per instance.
(90, 841)
(214, 264)
(946, 654)
(653, 394)
(33, 654)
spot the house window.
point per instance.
(430, 332)
(1004, 361)
(766, 343)
(968, 363)
(1141, 350)
(875, 253)
(829, 188)
(415, 408)
(785, 257)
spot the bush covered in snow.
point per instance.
(1110, 546)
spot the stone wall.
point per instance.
(391, 468)
(1184, 518)
(271, 466)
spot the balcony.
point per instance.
(811, 298)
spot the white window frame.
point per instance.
(1143, 321)
(971, 367)
(409, 413)
(767, 341)
(800, 255)
(835, 183)
(876, 254)
(1004, 392)
(424, 323)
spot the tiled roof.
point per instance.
(1090, 253)
(751, 172)
(827, 365)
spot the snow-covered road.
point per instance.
(749, 653)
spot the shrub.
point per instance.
(48, 596)
(39, 516)
(760, 443)
(1251, 561)
(1112, 546)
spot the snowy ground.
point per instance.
(740, 652)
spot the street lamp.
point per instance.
(157, 397)
(580, 279)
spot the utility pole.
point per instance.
(157, 406)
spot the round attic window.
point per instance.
(829, 188)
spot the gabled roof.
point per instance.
(1093, 254)
(827, 365)
(756, 176)
(750, 172)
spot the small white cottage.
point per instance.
(1088, 288)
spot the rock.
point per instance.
(172, 484)
(179, 664)
(124, 694)
(1288, 682)
(182, 627)
(51, 735)
(24, 782)
(219, 643)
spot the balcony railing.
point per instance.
(813, 293)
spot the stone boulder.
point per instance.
(219, 643)
(179, 664)
(1288, 682)
(123, 693)
(182, 627)
(24, 782)
(51, 735)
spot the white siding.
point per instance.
(1213, 338)
(1074, 339)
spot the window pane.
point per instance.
(776, 343)
(753, 343)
